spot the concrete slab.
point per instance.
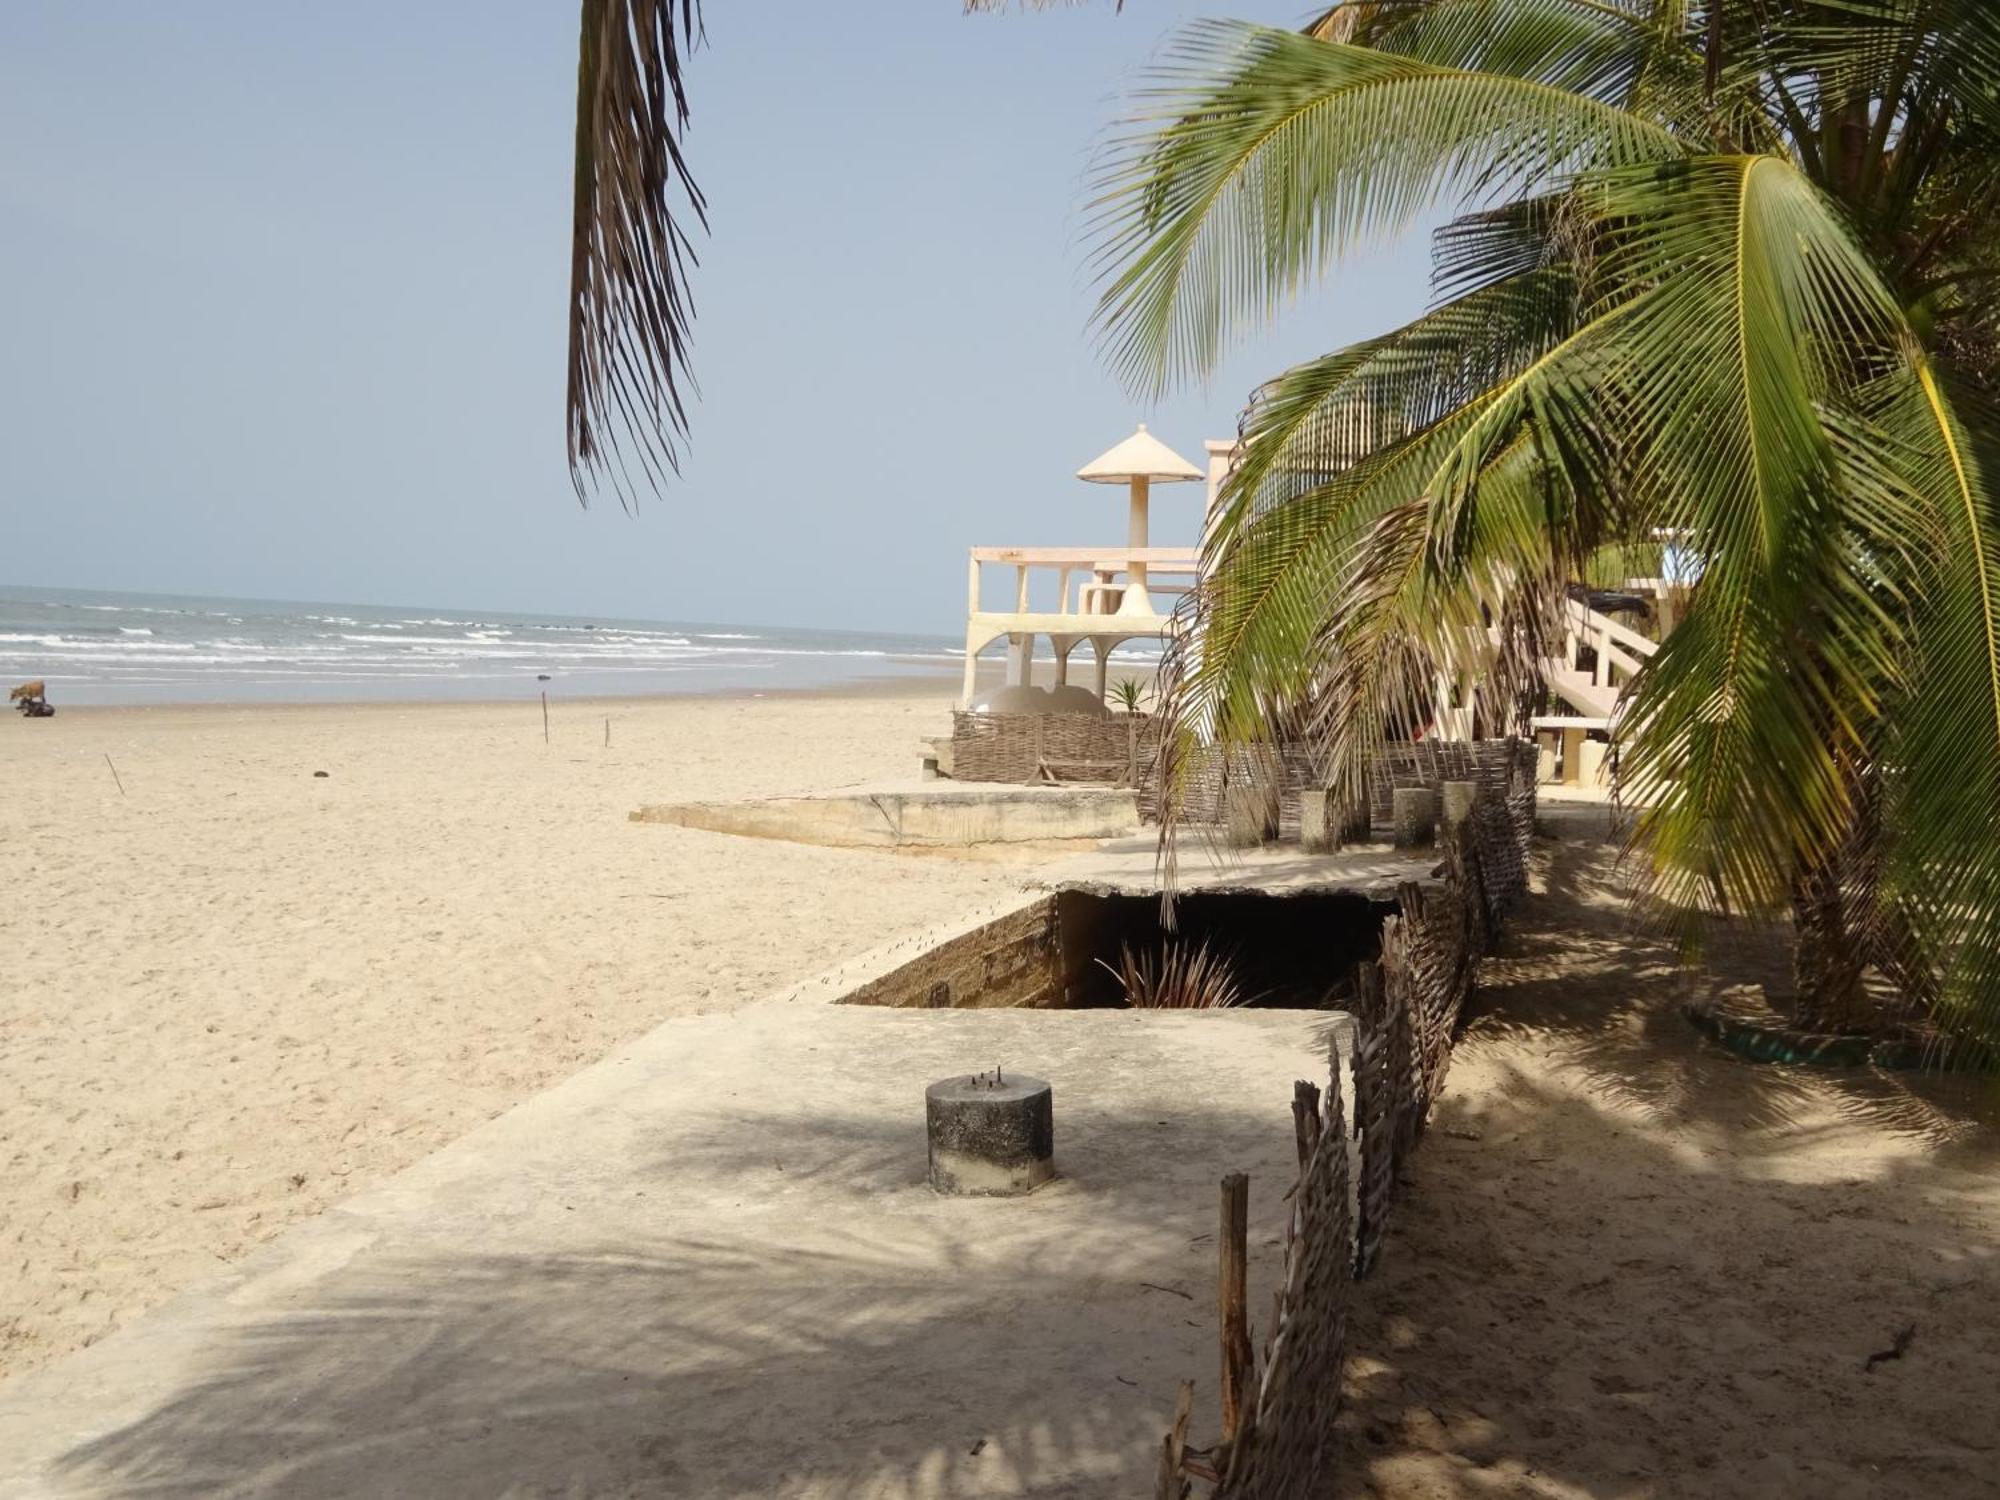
(709, 1266)
(929, 816)
(1131, 866)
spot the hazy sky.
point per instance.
(284, 291)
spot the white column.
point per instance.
(1136, 600)
(1222, 456)
(1020, 659)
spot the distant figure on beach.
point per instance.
(32, 699)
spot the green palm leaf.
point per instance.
(1278, 152)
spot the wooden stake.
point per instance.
(1232, 1304)
(1170, 1482)
(607, 732)
(114, 774)
(1305, 1120)
(545, 716)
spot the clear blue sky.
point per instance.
(284, 291)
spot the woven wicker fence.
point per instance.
(1503, 767)
(1025, 749)
(1408, 1007)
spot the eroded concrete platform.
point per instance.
(929, 816)
(1131, 865)
(709, 1266)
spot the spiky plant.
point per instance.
(1128, 693)
(1176, 976)
(1720, 271)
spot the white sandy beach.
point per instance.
(238, 993)
(235, 992)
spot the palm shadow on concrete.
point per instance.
(885, 1354)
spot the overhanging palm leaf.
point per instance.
(1277, 153)
(630, 254)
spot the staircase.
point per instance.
(1599, 657)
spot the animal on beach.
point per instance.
(33, 699)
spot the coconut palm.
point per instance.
(1718, 272)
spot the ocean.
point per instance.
(107, 648)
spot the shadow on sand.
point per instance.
(1632, 1265)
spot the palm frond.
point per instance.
(1947, 745)
(630, 311)
(1263, 154)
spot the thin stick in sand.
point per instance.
(545, 716)
(114, 774)
(607, 733)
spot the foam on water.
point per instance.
(110, 648)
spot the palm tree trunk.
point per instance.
(1828, 961)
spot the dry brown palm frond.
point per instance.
(630, 255)
(1177, 976)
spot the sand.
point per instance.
(235, 992)
(1628, 1265)
(1631, 1265)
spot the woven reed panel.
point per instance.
(1023, 749)
(1286, 1453)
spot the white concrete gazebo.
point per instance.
(1141, 461)
(1113, 600)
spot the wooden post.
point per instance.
(1170, 1483)
(1232, 1304)
(607, 733)
(545, 716)
(1305, 1120)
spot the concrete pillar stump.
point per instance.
(1326, 824)
(1546, 767)
(1593, 756)
(1250, 816)
(1414, 817)
(1319, 820)
(1459, 797)
(992, 1135)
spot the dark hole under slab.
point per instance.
(1292, 950)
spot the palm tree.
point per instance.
(1722, 272)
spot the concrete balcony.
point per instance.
(1103, 595)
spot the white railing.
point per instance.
(1617, 654)
(1101, 576)
(1620, 651)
